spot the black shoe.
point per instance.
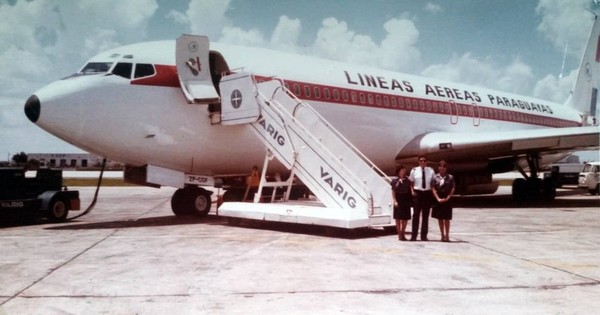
(412, 239)
(424, 239)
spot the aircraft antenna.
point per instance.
(562, 68)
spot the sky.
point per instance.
(521, 46)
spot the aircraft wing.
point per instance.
(478, 146)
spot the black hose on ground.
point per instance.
(91, 206)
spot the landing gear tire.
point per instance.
(58, 211)
(519, 189)
(233, 194)
(191, 201)
(548, 189)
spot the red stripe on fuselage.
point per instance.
(166, 76)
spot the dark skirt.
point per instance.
(442, 211)
(402, 211)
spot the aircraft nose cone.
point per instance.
(32, 108)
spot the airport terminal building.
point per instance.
(72, 160)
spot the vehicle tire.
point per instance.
(58, 211)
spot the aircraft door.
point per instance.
(192, 59)
(476, 115)
(239, 105)
(453, 112)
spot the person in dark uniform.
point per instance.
(402, 201)
(443, 186)
(421, 177)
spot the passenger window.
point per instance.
(123, 69)
(307, 91)
(143, 70)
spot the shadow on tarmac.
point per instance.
(506, 201)
(214, 220)
(477, 202)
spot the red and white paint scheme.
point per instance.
(157, 107)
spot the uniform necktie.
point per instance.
(423, 178)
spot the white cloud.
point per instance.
(395, 52)
(398, 51)
(43, 40)
(333, 39)
(286, 33)
(563, 21)
(207, 17)
(516, 77)
(555, 89)
(238, 36)
(178, 17)
(433, 8)
(64, 34)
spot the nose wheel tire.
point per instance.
(191, 201)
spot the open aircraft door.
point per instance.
(191, 57)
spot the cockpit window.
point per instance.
(143, 70)
(123, 69)
(96, 68)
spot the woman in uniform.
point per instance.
(402, 201)
(443, 186)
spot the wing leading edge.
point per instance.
(468, 147)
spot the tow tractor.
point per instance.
(41, 196)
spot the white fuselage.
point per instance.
(149, 122)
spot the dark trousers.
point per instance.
(422, 207)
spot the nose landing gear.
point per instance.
(191, 200)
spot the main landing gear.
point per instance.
(191, 200)
(530, 187)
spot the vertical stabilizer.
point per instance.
(585, 92)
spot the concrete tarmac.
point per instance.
(130, 255)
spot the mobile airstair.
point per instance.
(352, 191)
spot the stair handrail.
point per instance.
(331, 128)
(282, 112)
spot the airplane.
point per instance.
(164, 109)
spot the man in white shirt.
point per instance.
(421, 177)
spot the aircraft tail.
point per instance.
(585, 93)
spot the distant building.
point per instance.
(72, 160)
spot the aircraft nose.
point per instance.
(32, 108)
